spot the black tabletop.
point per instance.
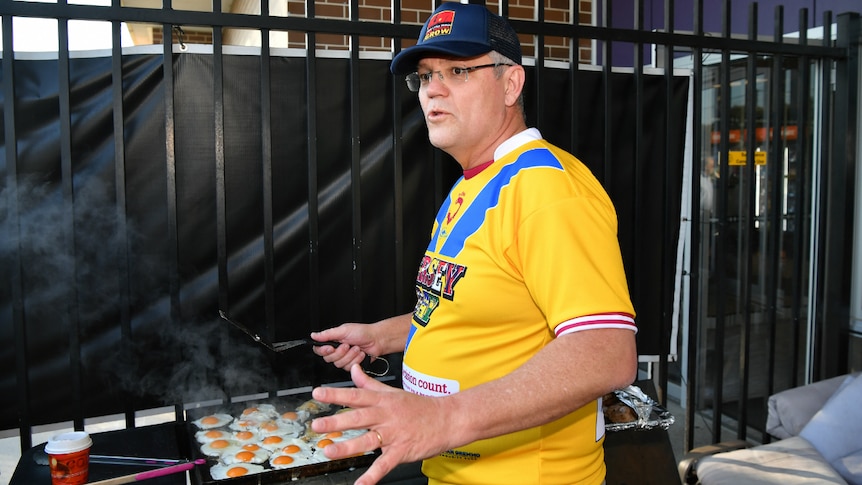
(158, 441)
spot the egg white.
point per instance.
(313, 406)
(219, 471)
(244, 455)
(241, 424)
(279, 427)
(218, 420)
(297, 461)
(209, 450)
(209, 435)
(343, 435)
(275, 441)
(246, 436)
(259, 413)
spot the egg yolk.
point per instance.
(271, 440)
(217, 444)
(324, 443)
(244, 435)
(245, 456)
(251, 447)
(236, 471)
(291, 449)
(282, 460)
(213, 434)
(244, 424)
(269, 426)
(248, 411)
(334, 434)
(209, 420)
(290, 416)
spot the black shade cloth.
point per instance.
(98, 251)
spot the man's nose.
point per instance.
(436, 84)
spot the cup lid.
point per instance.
(68, 442)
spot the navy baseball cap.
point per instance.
(460, 30)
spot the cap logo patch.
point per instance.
(439, 24)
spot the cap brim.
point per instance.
(406, 60)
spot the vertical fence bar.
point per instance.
(540, 64)
(720, 259)
(691, 380)
(313, 191)
(171, 176)
(219, 157)
(607, 103)
(355, 164)
(668, 219)
(749, 217)
(775, 156)
(801, 222)
(574, 69)
(22, 387)
(819, 225)
(639, 142)
(122, 252)
(398, 172)
(72, 316)
(266, 169)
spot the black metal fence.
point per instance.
(143, 191)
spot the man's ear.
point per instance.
(515, 79)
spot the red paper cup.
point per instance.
(69, 457)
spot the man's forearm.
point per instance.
(392, 333)
(569, 373)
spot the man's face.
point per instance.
(463, 118)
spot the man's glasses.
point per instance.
(416, 80)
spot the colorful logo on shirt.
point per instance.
(456, 207)
(436, 278)
(439, 24)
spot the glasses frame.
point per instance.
(416, 81)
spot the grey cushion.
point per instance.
(836, 430)
(791, 461)
(790, 410)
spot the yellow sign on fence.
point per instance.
(739, 157)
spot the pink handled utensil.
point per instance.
(137, 477)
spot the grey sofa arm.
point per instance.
(686, 466)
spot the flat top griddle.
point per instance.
(201, 475)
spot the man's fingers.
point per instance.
(379, 469)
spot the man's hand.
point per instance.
(356, 340)
(406, 427)
(374, 340)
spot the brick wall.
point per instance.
(412, 12)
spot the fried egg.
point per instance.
(221, 471)
(344, 435)
(240, 424)
(259, 413)
(275, 441)
(281, 460)
(213, 421)
(277, 426)
(208, 435)
(220, 447)
(290, 416)
(245, 436)
(313, 406)
(251, 453)
(296, 448)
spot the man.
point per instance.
(523, 318)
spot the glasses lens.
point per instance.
(413, 82)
